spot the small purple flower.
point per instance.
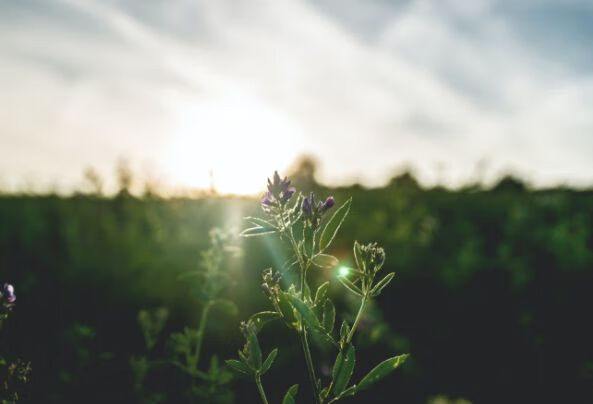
(279, 193)
(329, 202)
(8, 293)
(313, 211)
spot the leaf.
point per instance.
(227, 306)
(343, 368)
(325, 261)
(329, 316)
(333, 225)
(381, 284)
(254, 356)
(291, 394)
(358, 256)
(350, 391)
(380, 371)
(344, 330)
(350, 286)
(269, 360)
(256, 231)
(286, 309)
(321, 292)
(238, 366)
(262, 318)
(261, 223)
(305, 311)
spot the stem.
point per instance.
(201, 330)
(303, 331)
(358, 316)
(309, 361)
(260, 388)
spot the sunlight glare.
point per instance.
(234, 141)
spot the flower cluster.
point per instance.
(279, 193)
(271, 283)
(312, 211)
(372, 257)
(7, 295)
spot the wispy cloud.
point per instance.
(367, 88)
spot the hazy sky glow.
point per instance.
(242, 87)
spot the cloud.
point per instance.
(365, 87)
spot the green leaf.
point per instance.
(381, 284)
(343, 368)
(227, 306)
(350, 286)
(321, 292)
(344, 330)
(261, 223)
(269, 360)
(350, 391)
(325, 261)
(333, 225)
(286, 309)
(329, 316)
(254, 356)
(305, 311)
(256, 231)
(238, 366)
(380, 371)
(358, 256)
(262, 318)
(291, 394)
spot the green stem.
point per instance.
(260, 388)
(358, 316)
(201, 330)
(309, 361)
(303, 331)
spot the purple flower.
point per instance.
(279, 193)
(313, 211)
(8, 293)
(329, 202)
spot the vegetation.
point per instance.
(492, 296)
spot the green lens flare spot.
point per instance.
(343, 271)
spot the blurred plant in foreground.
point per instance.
(303, 226)
(186, 347)
(12, 373)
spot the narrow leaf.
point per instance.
(305, 311)
(254, 356)
(262, 318)
(308, 241)
(329, 316)
(261, 223)
(286, 309)
(358, 256)
(350, 286)
(343, 368)
(289, 397)
(256, 231)
(380, 371)
(381, 284)
(344, 329)
(325, 261)
(269, 360)
(321, 292)
(238, 366)
(333, 225)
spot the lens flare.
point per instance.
(343, 271)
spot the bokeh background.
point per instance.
(462, 130)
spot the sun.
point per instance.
(234, 142)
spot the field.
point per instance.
(492, 295)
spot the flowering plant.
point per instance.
(308, 230)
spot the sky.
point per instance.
(195, 91)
